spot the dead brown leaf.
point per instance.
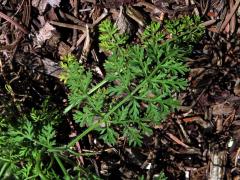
(45, 33)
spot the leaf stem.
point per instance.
(3, 168)
(67, 177)
(89, 93)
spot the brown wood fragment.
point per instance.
(217, 165)
(198, 120)
(86, 46)
(229, 16)
(208, 23)
(233, 19)
(70, 26)
(177, 140)
(236, 89)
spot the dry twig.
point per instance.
(16, 24)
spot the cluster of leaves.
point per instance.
(110, 38)
(140, 82)
(188, 28)
(26, 142)
(29, 150)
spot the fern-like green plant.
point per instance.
(25, 146)
(140, 82)
(29, 150)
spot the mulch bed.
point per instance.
(199, 141)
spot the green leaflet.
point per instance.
(140, 81)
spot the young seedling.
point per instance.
(140, 83)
